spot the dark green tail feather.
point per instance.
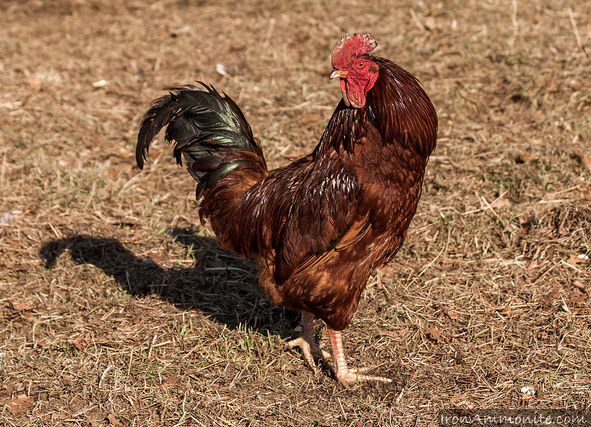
(204, 126)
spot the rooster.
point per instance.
(318, 227)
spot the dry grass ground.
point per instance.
(117, 307)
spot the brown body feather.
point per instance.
(319, 226)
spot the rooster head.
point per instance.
(352, 63)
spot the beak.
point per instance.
(338, 73)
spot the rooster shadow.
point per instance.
(219, 284)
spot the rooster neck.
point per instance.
(401, 110)
(397, 108)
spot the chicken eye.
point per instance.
(360, 64)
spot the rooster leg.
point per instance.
(307, 341)
(345, 375)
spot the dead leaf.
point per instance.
(521, 158)
(506, 310)
(154, 153)
(584, 159)
(156, 259)
(580, 298)
(19, 404)
(539, 117)
(19, 309)
(452, 315)
(529, 157)
(532, 265)
(58, 416)
(575, 260)
(114, 421)
(21, 305)
(575, 84)
(548, 299)
(434, 334)
(139, 318)
(171, 381)
(80, 343)
(458, 398)
(580, 286)
(33, 82)
(125, 152)
(502, 202)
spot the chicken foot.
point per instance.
(310, 349)
(345, 375)
(307, 341)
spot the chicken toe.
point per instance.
(307, 341)
(344, 374)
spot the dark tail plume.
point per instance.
(207, 129)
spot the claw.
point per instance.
(348, 377)
(309, 350)
(307, 343)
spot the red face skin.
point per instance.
(357, 78)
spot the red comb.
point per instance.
(350, 47)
